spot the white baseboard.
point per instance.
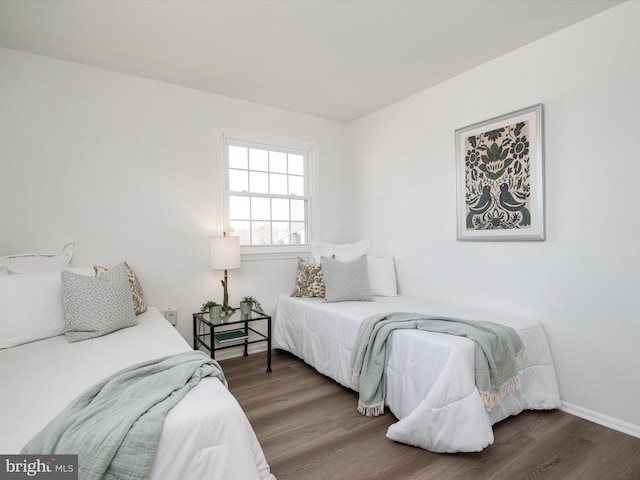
(600, 419)
(239, 351)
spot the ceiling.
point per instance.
(339, 59)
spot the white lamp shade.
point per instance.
(225, 253)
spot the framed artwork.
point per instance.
(500, 174)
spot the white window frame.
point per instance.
(274, 142)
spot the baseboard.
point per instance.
(600, 419)
(239, 351)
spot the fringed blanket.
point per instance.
(498, 352)
(114, 427)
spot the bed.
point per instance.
(206, 435)
(430, 380)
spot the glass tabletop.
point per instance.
(232, 317)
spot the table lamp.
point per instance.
(225, 254)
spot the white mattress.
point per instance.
(206, 435)
(430, 376)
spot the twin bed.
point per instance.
(206, 435)
(430, 380)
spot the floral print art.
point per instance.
(497, 179)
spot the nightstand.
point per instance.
(230, 331)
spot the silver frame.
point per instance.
(537, 229)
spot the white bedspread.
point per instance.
(430, 376)
(205, 436)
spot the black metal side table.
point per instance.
(228, 331)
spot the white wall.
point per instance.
(583, 282)
(130, 169)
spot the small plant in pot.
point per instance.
(214, 309)
(250, 303)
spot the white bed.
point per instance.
(206, 435)
(430, 376)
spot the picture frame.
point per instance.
(500, 178)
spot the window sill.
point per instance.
(252, 253)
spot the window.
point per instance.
(268, 193)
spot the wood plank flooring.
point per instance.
(309, 429)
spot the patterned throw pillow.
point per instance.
(96, 306)
(134, 284)
(309, 280)
(346, 281)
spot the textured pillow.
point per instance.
(344, 252)
(346, 281)
(32, 263)
(382, 276)
(134, 284)
(309, 280)
(31, 307)
(96, 306)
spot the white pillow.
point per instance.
(344, 252)
(31, 306)
(32, 262)
(382, 276)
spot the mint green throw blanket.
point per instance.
(115, 426)
(498, 351)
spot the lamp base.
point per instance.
(226, 309)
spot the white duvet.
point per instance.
(205, 436)
(430, 376)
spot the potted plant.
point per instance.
(214, 309)
(249, 303)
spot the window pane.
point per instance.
(278, 184)
(258, 182)
(237, 157)
(239, 208)
(298, 210)
(298, 233)
(280, 209)
(296, 164)
(258, 159)
(296, 185)
(241, 229)
(260, 208)
(238, 181)
(280, 233)
(260, 233)
(278, 162)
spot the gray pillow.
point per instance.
(96, 306)
(346, 281)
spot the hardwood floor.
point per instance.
(309, 429)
